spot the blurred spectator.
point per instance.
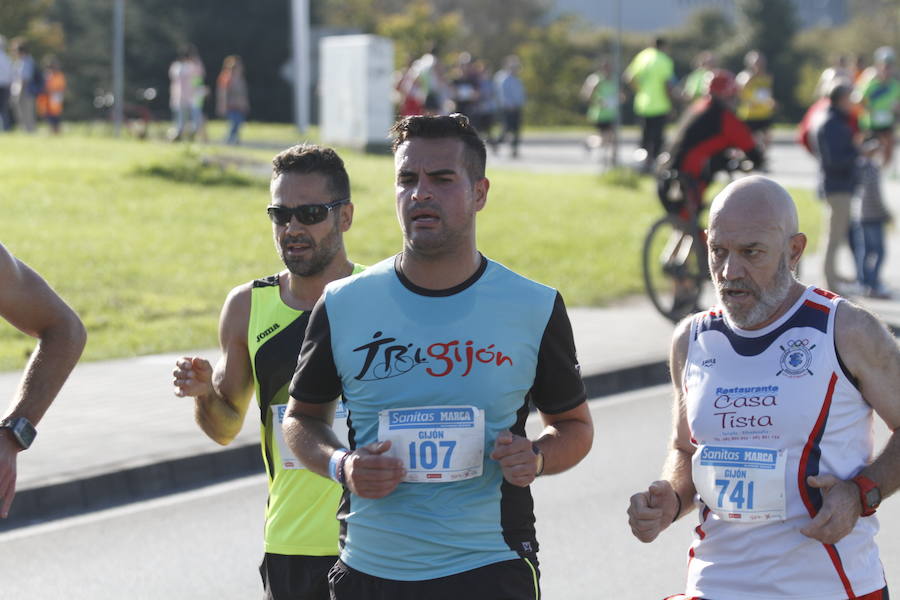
(485, 109)
(694, 85)
(510, 101)
(839, 72)
(464, 85)
(411, 97)
(6, 78)
(201, 91)
(651, 75)
(184, 74)
(869, 216)
(49, 102)
(756, 105)
(859, 69)
(427, 73)
(26, 84)
(232, 98)
(878, 91)
(833, 144)
(602, 95)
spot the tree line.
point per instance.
(557, 51)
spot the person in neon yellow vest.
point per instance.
(651, 74)
(261, 329)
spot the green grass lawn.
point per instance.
(146, 250)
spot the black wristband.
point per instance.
(341, 474)
(678, 510)
(540, 455)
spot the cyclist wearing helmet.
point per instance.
(879, 94)
(709, 130)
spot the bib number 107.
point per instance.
(428, 454)
(739, 494)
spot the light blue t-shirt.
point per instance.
(397, 347)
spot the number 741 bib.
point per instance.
(742, 485)
(437, 444)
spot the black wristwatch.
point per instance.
(21, 429)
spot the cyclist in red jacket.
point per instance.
(709, 131)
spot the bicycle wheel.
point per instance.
(674, 264)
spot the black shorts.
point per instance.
(889, 129)
(295, 577)
(604, 126)
(759, 124)
(517, 579)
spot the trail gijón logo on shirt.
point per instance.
(385, 357)
(796, 358)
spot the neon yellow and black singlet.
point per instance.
(300, 513)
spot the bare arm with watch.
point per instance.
(28, 303)
(872, 356)
(566, 439)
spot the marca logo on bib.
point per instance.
(437, 444)
(741, 484)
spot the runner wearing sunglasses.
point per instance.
(262, 326)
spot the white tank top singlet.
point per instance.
(767, 408)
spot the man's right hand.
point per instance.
(652, 511)
(9, 451)
(193, 377)
(370, 474)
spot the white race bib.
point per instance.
(741, 485)
(437, 444)
(288, 460)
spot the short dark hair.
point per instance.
(455, 126)
(303, 159)
(839, 92)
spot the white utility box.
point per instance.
(356, 90)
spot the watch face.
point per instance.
(873, 497)
(23, 431)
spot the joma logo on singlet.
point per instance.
(267, 332)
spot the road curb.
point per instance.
(88, 494)
(69, 498)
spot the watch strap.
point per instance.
(866, 486)
(540, 459)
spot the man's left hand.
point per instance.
(516, 458)
(840, 509)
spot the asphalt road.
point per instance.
(206, 544)
(789, 163)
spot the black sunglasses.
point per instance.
(308, 214)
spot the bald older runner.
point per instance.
(775, 395)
